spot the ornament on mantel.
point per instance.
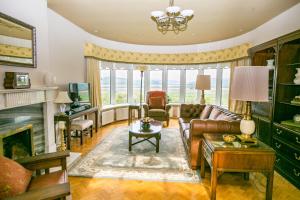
(49, 79)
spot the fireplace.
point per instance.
(17, 143)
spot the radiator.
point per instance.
(107, 117)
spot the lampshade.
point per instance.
(203, 82)
(141, 68)
(250, 83)
(63, 97)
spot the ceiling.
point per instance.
(129, 20)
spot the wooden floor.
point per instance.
(96, 188)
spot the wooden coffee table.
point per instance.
(135, 130)
(236, 157)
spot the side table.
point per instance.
(236, 157)
(132, 108)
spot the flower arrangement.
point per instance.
(146, 123)
(147, 120)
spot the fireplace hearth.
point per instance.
(17, 143)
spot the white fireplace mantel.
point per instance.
(12, 98)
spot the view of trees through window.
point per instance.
(105, 86)
(156, 80)
(121, 86)
(179, 84)
(190, 91)
(173, 86)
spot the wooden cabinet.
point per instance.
(270, 117)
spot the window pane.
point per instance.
(210, 95)
(174, 86)
(190, 91)
(137, 86)
(121, 86)
(105, 86)
(225, 86)
(156, 80)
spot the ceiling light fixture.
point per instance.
(173, 20)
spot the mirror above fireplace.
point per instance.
(17, 42)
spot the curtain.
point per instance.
(93, 77)
(237, 106)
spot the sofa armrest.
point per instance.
(45, 161)
(146, 109)
(52, 192)
(199, 127)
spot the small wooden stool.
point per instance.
(80, 126)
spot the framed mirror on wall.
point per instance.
(17, 42)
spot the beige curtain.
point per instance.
(236, 106)
(93, 77)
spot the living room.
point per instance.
(149, 100)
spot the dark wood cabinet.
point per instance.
(270, 117)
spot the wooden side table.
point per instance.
(132, 108)
(236, 157)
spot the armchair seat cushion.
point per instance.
(14, 178)
(157, 112)
(47, 180)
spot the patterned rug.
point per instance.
(111, 159)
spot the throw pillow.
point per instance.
(214, 113)
(205, 112)
(14, 178)
(156, 102)
(222, 116)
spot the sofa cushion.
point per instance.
(14, 178)
(206, 112)
(215, 112)
(47, 180)
(156, 103)
(222, 116)
(156, 112)
(185, 126)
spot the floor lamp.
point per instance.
(142, 69)
(203, 83)
(250, 84)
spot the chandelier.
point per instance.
(173, 20)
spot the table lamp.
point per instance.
(62, 98)
(249, 83)
(203, 83)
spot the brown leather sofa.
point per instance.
(196, 119)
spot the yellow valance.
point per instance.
(15, 51)
(223, 55)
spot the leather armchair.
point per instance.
(54, 185)
(157, 106)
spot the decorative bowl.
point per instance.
(229, 138)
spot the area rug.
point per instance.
(111, 159)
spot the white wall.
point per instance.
(60, 43)
(33, 12)
(66, 43)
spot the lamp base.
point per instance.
(202, 100)
(247, 128)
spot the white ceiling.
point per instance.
(129, 20)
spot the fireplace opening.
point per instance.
(18, 143)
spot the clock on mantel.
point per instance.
(16, 80)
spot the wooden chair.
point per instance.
(54, 185)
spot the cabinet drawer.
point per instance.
(290, 171)
(290, 153)
(286, 135)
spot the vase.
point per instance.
(145, 126)
(297, 77)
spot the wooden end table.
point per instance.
(236, 157)
(132, 108)
(135, 130)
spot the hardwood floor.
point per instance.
(228, 187)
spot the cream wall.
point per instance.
(33, 12)
(60, 42)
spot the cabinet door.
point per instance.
(264, 130)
